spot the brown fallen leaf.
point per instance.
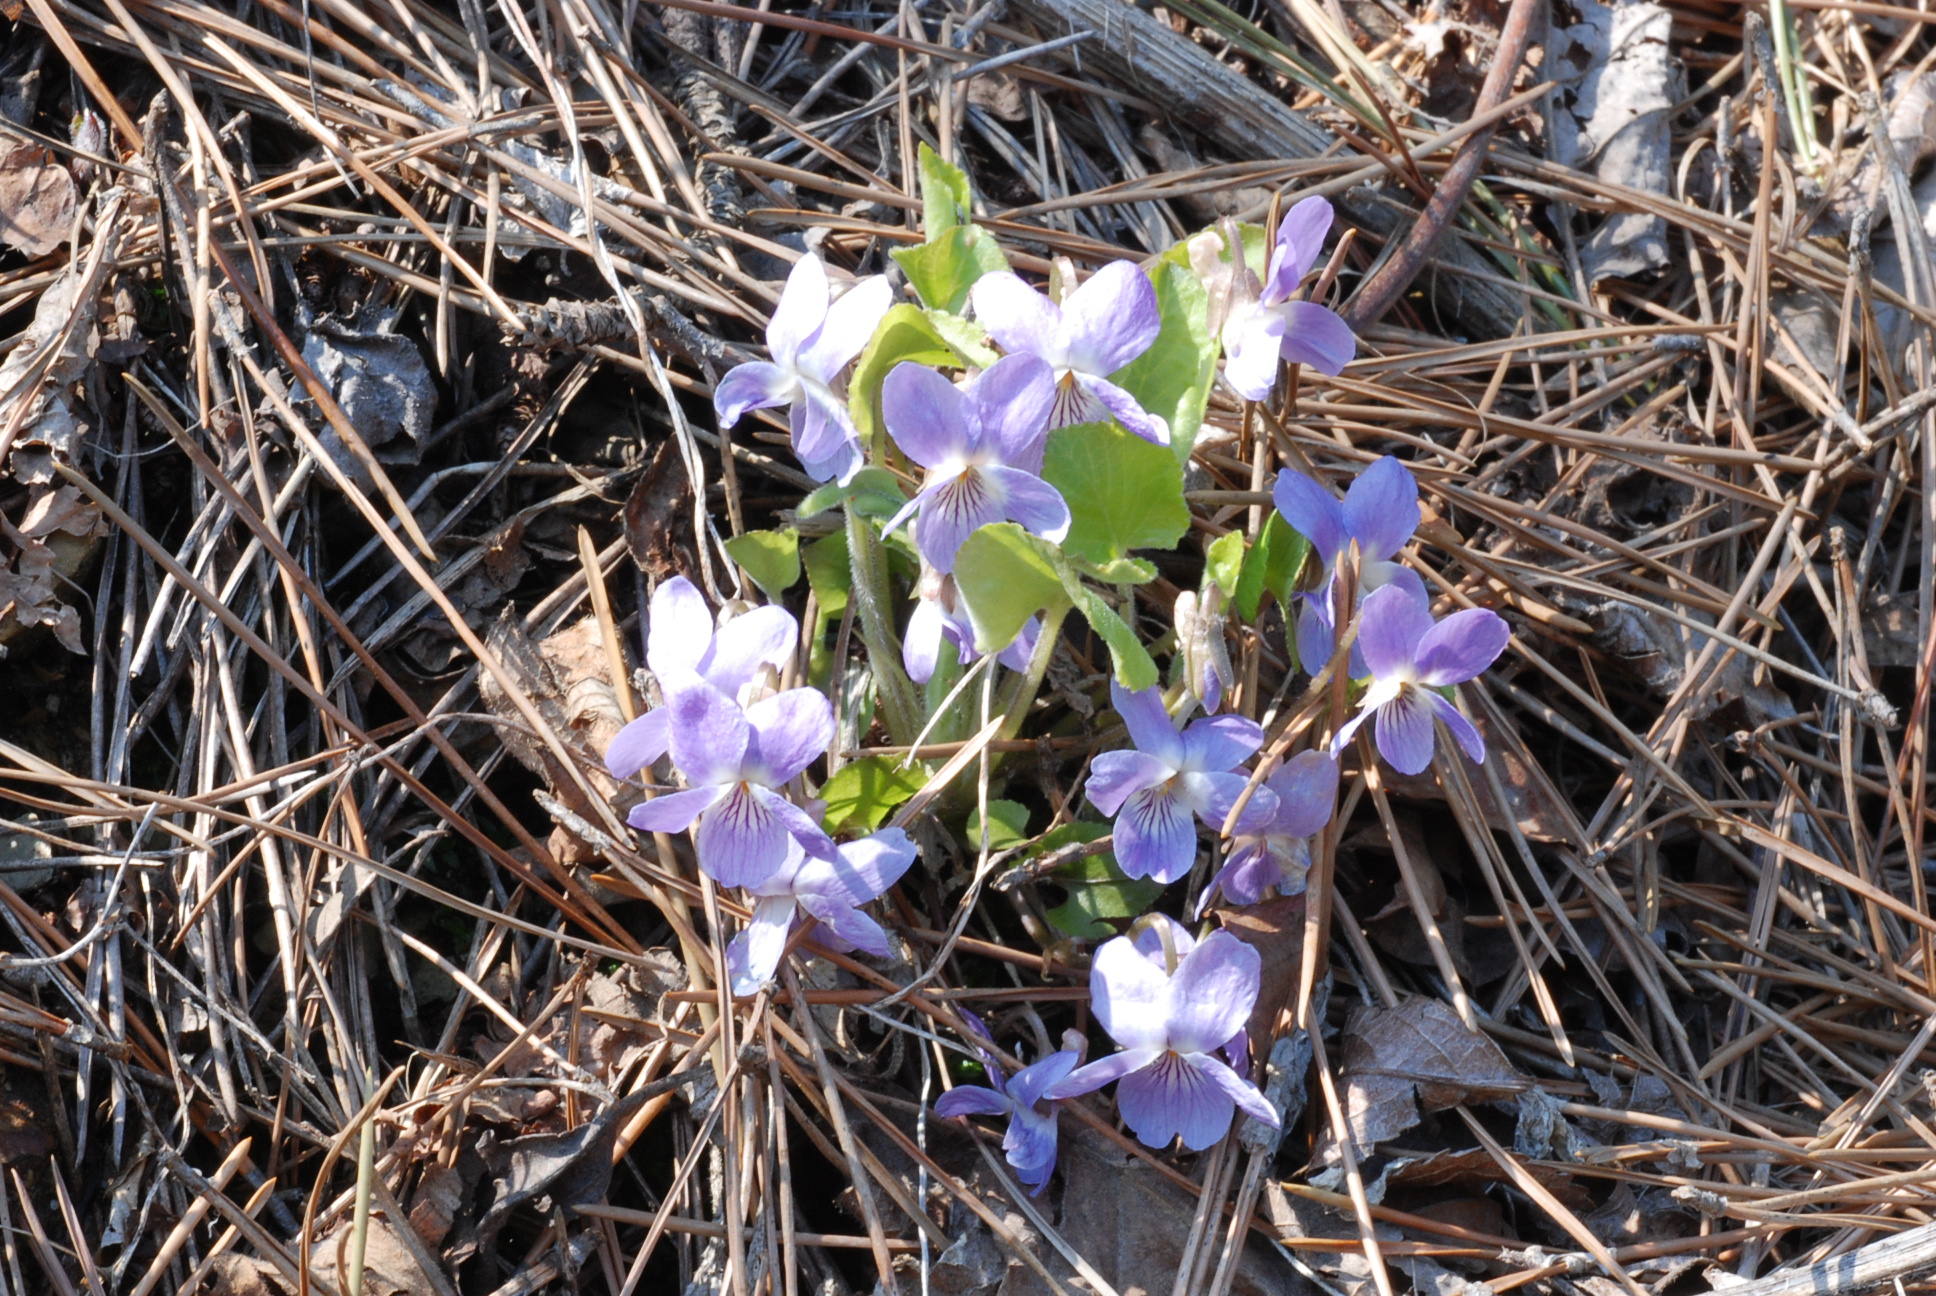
(1419, 1052)
(36, 198)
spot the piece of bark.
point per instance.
(1874, 1267)
(1134, 50)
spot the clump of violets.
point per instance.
(1258, 333)
(1154, 790)
(736, 763)
(1380, 511)
(1029, 1145)
(940, 618)
(681, 645)
(1277, 853)
(832, 891)
(811, 337)
(1173, 1003)
(1411, 659)
(1099, 327)
(982, 448)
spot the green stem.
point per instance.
(1022, 695)
(900, 706)
(360, 1221)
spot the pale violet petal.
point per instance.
(1212, 993)
(1018, 317)
(750, 386)
(928, 416)
(1129, 995)
(1173, 1099)
(1090, 1078)
(1404, 731)
(1459, 647)
(638, 744)
(1381, 509)
(1109, 320)
(1155, 836)
(1115, 776)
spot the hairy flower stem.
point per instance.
(900, 705)
(1022, 693)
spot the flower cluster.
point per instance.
(970, 439)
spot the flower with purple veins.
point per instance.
(1380, 511)
(1257, 334)
(681, 643)
(1154, 790)
(1030, 1140)
(1278, 853)
(1411, 659)
(811, 337)
(735, 763)
(939, 618)
(832, 891)
(1108, 321)
(982, 448)
(1173, 1003)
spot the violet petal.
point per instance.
(1381, 508)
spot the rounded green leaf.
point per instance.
(771, 558)
(1123, 493)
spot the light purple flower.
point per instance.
(1108, 321)
(736, 762)
(1278, 853)
(811, 337)
(832, 891)
(1172, 1010)
(1030, 1140)
(1411, 659)
(940, 618)
(680, 644)
(1380, 511)
(982, 448)
(1153, 790)
(1257, 334)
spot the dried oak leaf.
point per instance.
(1418, 1052)
(36, 197)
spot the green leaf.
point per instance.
(1134, 669)
(1173, 377)
(1123, 493)
(943, 270)
(946, 199)
(830, 577)
(1007, 826)
(905, 333)
(1224, 561)
(1097, 889)
(1005, 576)
(969, 339)
(956, 253)
(1284, 552)
(875, 491)
(771, 558)
(1123, 571)
(862, 792)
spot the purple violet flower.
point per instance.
(1172, 1004)
(1278, 853)
(1153, 790)
(1380, 511)
(735, 763)
(832, 891)
(982, 448)
(940, 618)
(1411, 659)
(1259, 333)
(1108, 321)
(680, 643)
(811, 337)
(1030, 1140)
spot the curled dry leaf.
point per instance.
(37, 197)
(1417, 1053)
(1619, 81)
